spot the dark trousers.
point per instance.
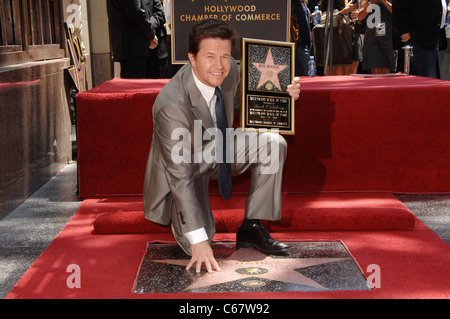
(302, 56)
(424, 62)
(144, 68)
(133, 68)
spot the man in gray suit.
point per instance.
(199, 98)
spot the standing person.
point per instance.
(158, 62)
(357, 39)
(341, 9)
(418, 23)
(134, 26)
(379, 55)
(173, 68)
(199, 98)
(303, 45)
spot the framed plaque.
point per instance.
(267, 68)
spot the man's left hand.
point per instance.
(294, 88)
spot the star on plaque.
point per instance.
(269, 72)
(247, 270)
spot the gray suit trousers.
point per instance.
(265, 154)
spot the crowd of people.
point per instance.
(380, 30)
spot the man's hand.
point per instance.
(406, 37)
(202, 253)
(294, 88)
(153, 43)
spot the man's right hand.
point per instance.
(202, 253)
(153, 43)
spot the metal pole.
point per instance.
(408, 54)
(328, 38)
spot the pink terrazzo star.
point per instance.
(269, 71)
(250, 263)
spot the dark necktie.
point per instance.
(224, 166)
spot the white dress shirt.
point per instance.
(209, 96)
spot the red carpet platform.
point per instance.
(300, 212)
(352, 134)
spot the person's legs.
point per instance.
(380, 71)
(266, 154)
(133, 68)
(302, 56)
(424, 62)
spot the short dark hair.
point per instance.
(210, 28)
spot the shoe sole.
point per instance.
(240, 245)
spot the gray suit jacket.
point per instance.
(181, 190)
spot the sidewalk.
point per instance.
(28, 230)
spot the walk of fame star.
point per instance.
(269, 72)
(248, 270)
(238, 266)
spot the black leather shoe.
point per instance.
(259, 238)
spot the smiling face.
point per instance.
(212, 62)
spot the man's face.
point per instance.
(212, 63)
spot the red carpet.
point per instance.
(414, 264)
(339, 211)
(352, 135)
